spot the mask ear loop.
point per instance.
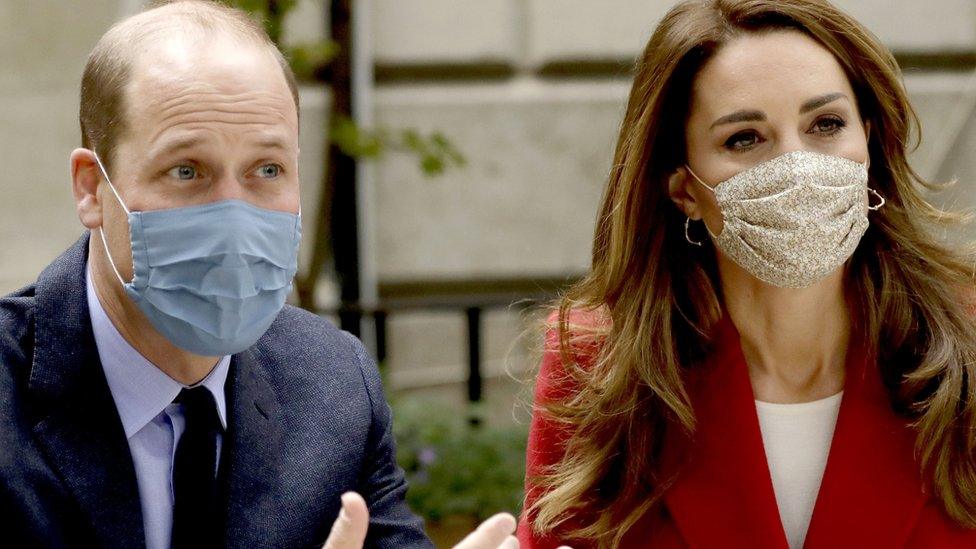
(698, 179)
(878, 205)
(101, 230)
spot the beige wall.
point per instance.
(45, 45)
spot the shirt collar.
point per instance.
(141, 390)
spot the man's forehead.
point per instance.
(174, 72)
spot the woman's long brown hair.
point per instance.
(909, 294)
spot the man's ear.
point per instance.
(678, 183)
(85, 177)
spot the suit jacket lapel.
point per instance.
(722, 495)
(872, 491)
(251, 469)
(78, 425)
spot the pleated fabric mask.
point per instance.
(794, 219)
(210, 278)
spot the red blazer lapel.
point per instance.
(872, 491)
(723, 495)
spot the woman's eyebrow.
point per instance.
(740, 116)
(817, 102)
(759, 116)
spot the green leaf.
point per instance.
(432, 165)
(353, 141)
(308, 58)
(252, 6)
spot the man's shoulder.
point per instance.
(299, 330)
(17, 305)
(56, 298)
(296, 322)
(306, 344)
(16, 326)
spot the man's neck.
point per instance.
(183, 366)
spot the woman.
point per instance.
(770, 350)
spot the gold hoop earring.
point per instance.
(688, 236)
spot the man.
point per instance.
(154, 391)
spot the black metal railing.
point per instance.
(470, 298)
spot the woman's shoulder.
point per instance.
(571, 349)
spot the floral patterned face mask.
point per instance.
(794, 219)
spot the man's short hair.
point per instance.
(102, 113)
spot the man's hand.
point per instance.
(349, 530)
(494, 533)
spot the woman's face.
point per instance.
(760, 96)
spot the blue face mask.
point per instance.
(210, 278)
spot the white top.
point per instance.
(797, 438)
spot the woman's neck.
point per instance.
(794, 340)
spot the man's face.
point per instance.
(204, 124)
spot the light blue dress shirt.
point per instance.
(153, 425)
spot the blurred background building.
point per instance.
(530, 91)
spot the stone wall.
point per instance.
(532, 93)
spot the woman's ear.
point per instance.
(678, 189)
(867, 142)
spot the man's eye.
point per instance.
(269, 171)
(183, 172)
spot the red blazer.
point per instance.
(872, 494)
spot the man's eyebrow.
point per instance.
(272, 142)
(177, 144)
(818, 102)
(739, 116)
(190, 141)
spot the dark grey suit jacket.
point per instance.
(307, 421)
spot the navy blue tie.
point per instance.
(196, 514)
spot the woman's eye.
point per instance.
(269, 171)
(183, 172)
(828, 125)
(742, 140)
